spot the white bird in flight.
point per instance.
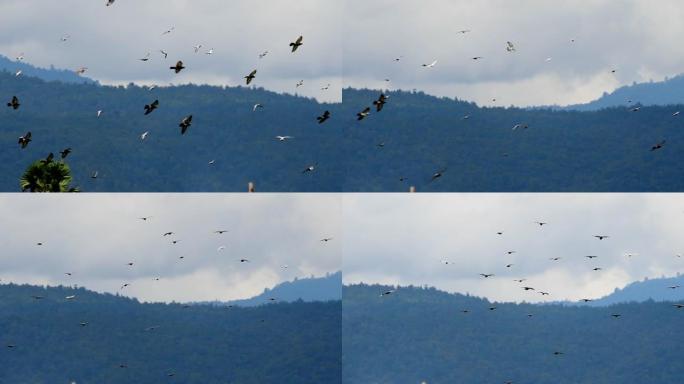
(256, 106)
(197, 47)
(284, 138)
(430, 65)
(144, 135)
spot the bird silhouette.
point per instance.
(178, 67)
(185, 124)
(297, 43)
(149, 108)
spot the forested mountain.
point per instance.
(324, 288)
(225, 129)
(661, 289)
(667, 92)
(414, 137)
(422, 334)
(47, 74)
(607, 150)
(102, 338)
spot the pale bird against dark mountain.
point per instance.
(437, 175)
(94, 174)
(309, 169)
(250, 77)
(14, 103)
(185, 124)
(284, 138)
(363, 114)
(25, 139)
(297, 43)
(178, 67)
(256, 106)
(149, 108)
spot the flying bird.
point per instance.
(178, 67)
(81, 70)
(250, 77)
(221, 231)
(486, 275)
(197, 47)
(14, 103)
(144, 135)
(256, 106)
(263, 54)
(168, 31)
(510, 47)
(437, 175)
(25, 140)
(658, 146)
(163, 52)
(363, 114)
(297, 43)
(380, 102)
(284, 138)
(429, 65)
(185, 124)
(110, 2)
(149, 108)
(146, 58)
(299, 83)
(309, 169)
(601, 237)
(210, 51)
(65, 152)
(322, 118)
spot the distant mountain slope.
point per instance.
(324, 288)
(241, 142)
(648, 289)
(667, 92)
(419, 335)
(47, 74)
(277, 343)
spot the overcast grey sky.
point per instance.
(110, 40)
(94, 236)
(404, 239)
(640, 39)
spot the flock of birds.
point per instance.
(530, 289)
(186, 121)
(173, 240)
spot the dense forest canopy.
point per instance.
(412, 138)
(48, 338)
(422, 334)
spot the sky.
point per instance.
(639, 39)
(402, 239)
(95, 236)
(353, 43)
(110, 40)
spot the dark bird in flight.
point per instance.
(221, 231)
(363, 114)
(519, 280)
(492, 308)
(601, 237)
(557, 353)
(244, 261)
(437, 175)
(178, 67)
(544, 293)
(151, 107)
(586, 300)
(591, 257)
(541, 223)
(678, 306)
(25, 140)
(616, 315)
(326, 239)
(250, 77)
(380, 102)
(674, 286)
(510, 252)
(48, 159)
(528, 288)
(167, 234)
(14, 103)
(597, 269)
(310, 168)
(65, 152)
(658, 146)
(110, 2)
(322, 118)
(391, 291)
(185, 124)
(297, 43)
(486, 275)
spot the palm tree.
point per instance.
(42, 176)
